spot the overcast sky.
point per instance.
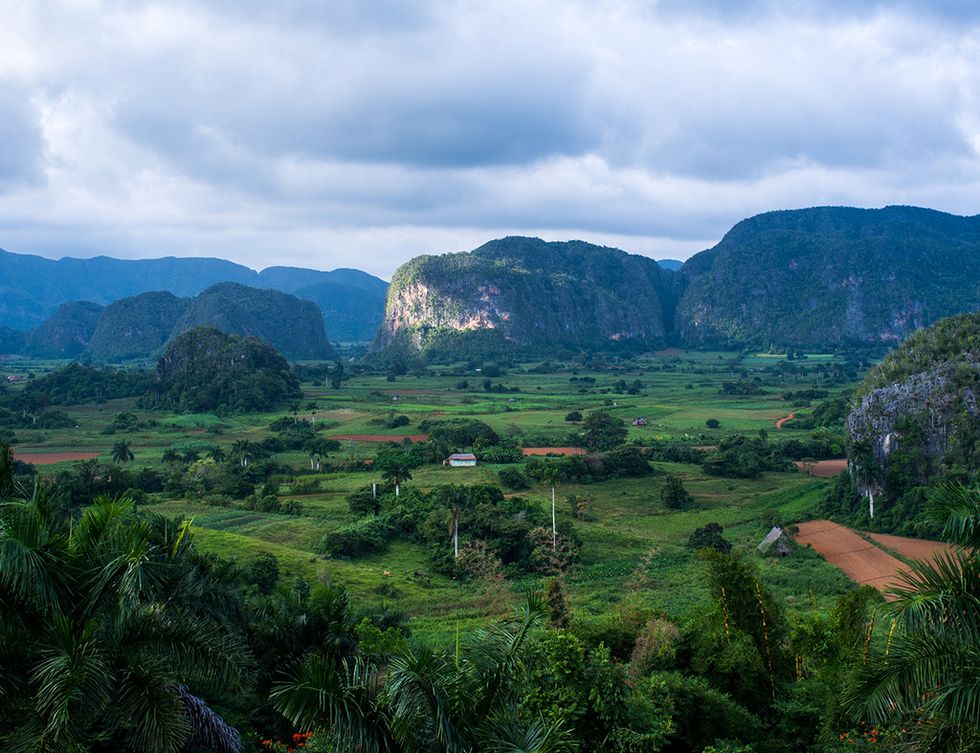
(280, 132)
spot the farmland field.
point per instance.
(633, 549)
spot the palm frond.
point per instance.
(72, 680)
(29, 549)
(506, 732)
(422, 693)
(338, 697)
(943, 594)
(208, 730)
(957, 508)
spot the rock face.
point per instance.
(831, 276)
(526, 294)
(923, 398)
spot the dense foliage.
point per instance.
(204, 370)
(915, 427)
(814, 277)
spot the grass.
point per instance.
(679, 394)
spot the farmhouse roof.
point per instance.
(462, 456)
(771, 538)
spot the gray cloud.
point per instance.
(360, 134)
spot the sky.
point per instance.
(353, 133)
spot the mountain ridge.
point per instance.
(33, 287)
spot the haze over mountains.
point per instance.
(32, 288)
(825, 278)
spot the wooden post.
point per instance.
(554, 527)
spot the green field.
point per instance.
(679, 393)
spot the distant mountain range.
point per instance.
(32, 288)
(818, 278)
(140, 326)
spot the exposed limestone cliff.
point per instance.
(529, 294)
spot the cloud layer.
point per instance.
(361, 134)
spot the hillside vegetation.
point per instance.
(831, 276)
(204, 370)
(525, 294)
(138, 327)
(825, 278)
(915, 425)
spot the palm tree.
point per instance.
(216, 453)
(428, 700)
(121, 452)
(312, 406)
(317, 448)
(929, 678)
(242, 449)
(108, 633)
(397, 475)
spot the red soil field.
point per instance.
(381, 437)
(553, 451)
(784, 419)
(824, 468)
(48, 458)
(861, 561)
(914, 549)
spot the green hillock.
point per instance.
(294, 327)
(204, 370)
(65, 334)
(135, 327)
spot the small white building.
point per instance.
(461, 460)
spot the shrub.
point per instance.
(709, 537)
(712, 423)
(357, 539)
(512, 478)
(363, 502)
(655, 647)
(673, 495)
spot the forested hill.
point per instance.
(140, 326)
(521, 293)
(32, 288)
(831, 276)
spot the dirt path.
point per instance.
(823, 468)
(380, 437)
(784, 419)
(49, 458)
(861, 561)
